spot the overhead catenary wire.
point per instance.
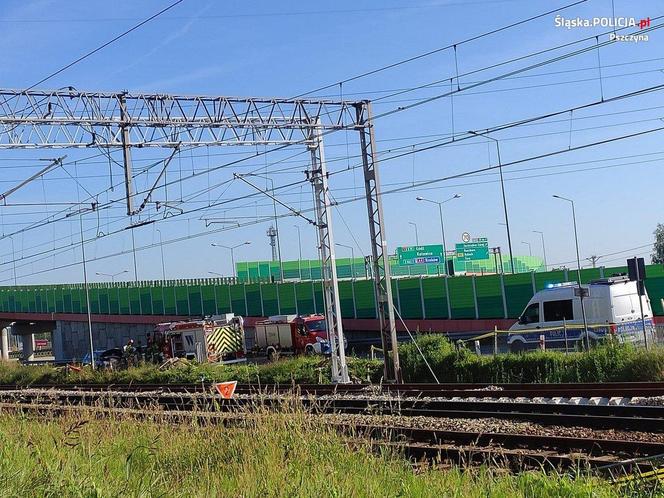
(516, 123)
(100, 47)
(390, 191)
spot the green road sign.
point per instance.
(473, 251)
(420, 255)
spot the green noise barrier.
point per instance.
(421, 297)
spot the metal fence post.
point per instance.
(260, 293)
(495, 340)
(352, 288)
(502, 292)
(398, 303)
(447, 296)
(532, 280)
(424, 311)
(477, 310)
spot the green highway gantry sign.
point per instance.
(473, 251)
(420, 255)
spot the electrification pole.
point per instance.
(379, 252)
(323, 209)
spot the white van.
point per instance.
(612, 307)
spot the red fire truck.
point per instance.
(291, 334)
(219, 339)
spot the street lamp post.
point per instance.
(502, 189)
(133, 251)
(578, 268)
(299, 261)
(352, 258)
(85, 278)
(161, 248)
(530, 249)
(442, 223)
(87, 293)
(111, 275)
(232, 249)
(417, 237)
(13, 259)
(546, 267)
(276, 222)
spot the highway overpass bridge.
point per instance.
(125, 310)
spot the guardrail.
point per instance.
(541, 331)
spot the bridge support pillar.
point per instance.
(5, 344)
(57, 343)
(28, 347)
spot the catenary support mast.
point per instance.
(323, 208)
(380, 263)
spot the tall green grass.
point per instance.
(276, 455)
(605, 363)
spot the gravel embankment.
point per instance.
(492, 425)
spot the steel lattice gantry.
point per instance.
(70, 118)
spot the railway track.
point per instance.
(612, 457)
(604, 416)
(585, 390)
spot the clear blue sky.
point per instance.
(283, 49)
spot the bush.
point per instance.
(606, 363)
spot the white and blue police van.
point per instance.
(611, 306)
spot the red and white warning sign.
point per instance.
(226, 389)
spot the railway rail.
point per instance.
(601, 416)
(461, 390)
(441, 447)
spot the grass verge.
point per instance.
(282, 454)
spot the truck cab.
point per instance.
(292, 334)
(611, 306)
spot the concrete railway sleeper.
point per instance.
(648, 418)
(586, 390)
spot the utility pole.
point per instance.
(593, 260)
